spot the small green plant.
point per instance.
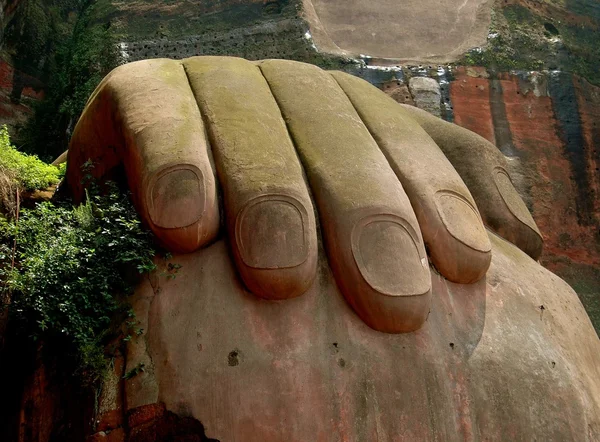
(134, 371)
(28, 170)
(69, 269)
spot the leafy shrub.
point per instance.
(28, 170)
(70, 264)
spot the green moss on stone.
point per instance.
(520, 39)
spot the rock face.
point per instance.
(31, 91)
(14, 112)
(204, 375)
(7, 10)
(432, 31)
(411, 31)
(427, 95)
(547, 125)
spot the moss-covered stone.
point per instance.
(543, 35)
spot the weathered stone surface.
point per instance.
(547, 128)
(398, 91)
(31, 90)
(356, 171)
(426, 94)
(40, 400)
(110, 402)
(512, 355)
(549, 133)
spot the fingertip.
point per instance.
(524, 237)
(387, 283)
(186, 239)
(462, 264)
(275, 246)
(181, 208)
(395, 315)
(535, 245)
(518, 226)
(177, 197)
(459, 246)
(279, 284)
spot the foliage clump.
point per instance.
(66, 270)
(73, 268)
(26, 171)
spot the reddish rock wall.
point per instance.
(470, 99)
(549, 126)
(12, 113)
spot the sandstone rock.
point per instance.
(512, 356)
(426, 93)
(497, 355)
(398, 91)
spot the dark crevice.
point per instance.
(170, 427)
(570, 130)
(502, 132)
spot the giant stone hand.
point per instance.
(293, 154)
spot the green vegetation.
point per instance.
(27, 171)
(67, 270)
(521, 39)
(583, 57)
(38, 29)
(151, 19)
(517, 41)
(70, 262)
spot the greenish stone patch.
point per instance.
(521, 39)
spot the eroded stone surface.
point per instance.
(426, 93)
(489, 362)
(506, 354)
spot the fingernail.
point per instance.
(177, 199)
(512, 199)
(388, 258)
(271, 233)
(462, 221)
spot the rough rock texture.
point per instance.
(414, 30)
(513, 355)
(286, 38)
(12, 113)
(409, 31)
(7, 10)
(388, 180)
(40, 401)
(426, 94)
(508, 355)
(219, 354)
(548, 127)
